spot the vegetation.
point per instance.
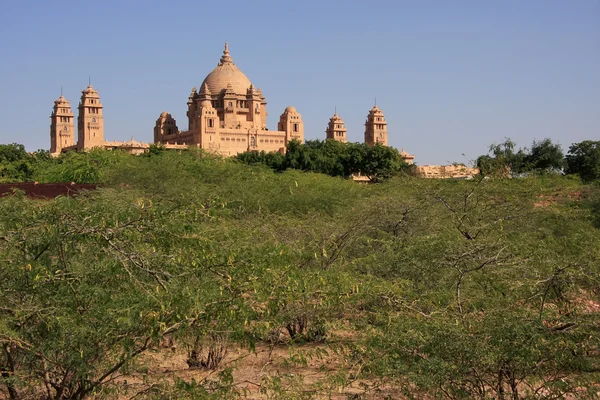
(333, 158)
(584, 159)
(503, 159)
(449, 289)
(16, 165)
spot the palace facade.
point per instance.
(227, 115)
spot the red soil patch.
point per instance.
(45, 190)
(547, 200)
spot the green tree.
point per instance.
(16, 165)
(503, 160)
(583, 159)
(12, 152)
(380, 162)
(333, 158)
(544, 155)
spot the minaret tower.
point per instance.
(336, 129)
(376, 128)
(291, 123)
(90, 122)
(62, 126)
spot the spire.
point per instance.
(205, 91)
(226, 57)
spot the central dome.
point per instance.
(225, 74)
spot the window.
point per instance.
(93, 119)
(210, 123)
(230, 104)
(66, 129)
(252, 141)
(295, 127)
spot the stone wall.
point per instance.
(447, 171)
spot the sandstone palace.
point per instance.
(226, 115)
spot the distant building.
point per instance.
(227, 116)
(62, 126)
(376, 128)
(336, 129)
(458, 171)
(90, 127)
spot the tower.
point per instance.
(336, 129)
(90, 122)
(206, 136)
(291, 123)
(62, 126)
(376, 128)
(165, 126)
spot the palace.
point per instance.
(227, 116)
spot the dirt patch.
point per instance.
(308, 369)
(547, 200)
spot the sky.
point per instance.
(451, 76)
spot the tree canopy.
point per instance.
(426, 288)
(333, 158)
(584, 159)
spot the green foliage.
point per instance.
(15, 163)
(504, 160)
(545, 156)
(584, 160)
(333, 158)
(444, 289)
(79, 167)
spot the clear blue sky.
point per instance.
(451, 76)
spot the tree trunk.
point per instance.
(500, 387)
(9, 371)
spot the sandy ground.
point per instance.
(309, 369)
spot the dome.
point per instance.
(61, 100)
(90, 89)
(290, 109)
(336, 118)
(227, 73)
(165, 114)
